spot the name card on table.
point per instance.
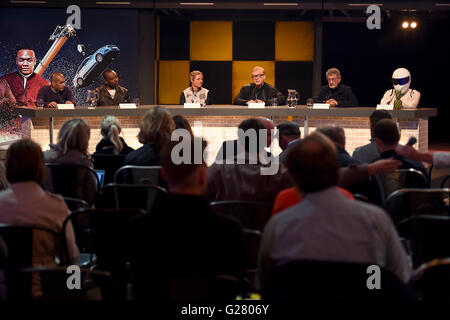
(127, 105)
(384, 107)
(321, 106)
(192, 105)
(63, 106)
(256, 105)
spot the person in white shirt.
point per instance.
(401, 80)
(439, 159)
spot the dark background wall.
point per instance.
(367, 59)
(32, 27)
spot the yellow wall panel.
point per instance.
(294, 41)
(173, 79)
(242, 73)
(211, 40)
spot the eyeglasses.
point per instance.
(256, 76)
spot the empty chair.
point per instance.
(53, 281)
(110, 163)
(251, 215)
(72, 180)
(138, 175)
(404, 203)
(401, 179)
(330, 281)
(107, 229)
(141, 196)
(25, 244)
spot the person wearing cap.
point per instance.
(401, 80)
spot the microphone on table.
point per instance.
(412, 141)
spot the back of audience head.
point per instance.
(386, 135)
(191, 175)
(269, 126)
(334, 133)
(110, 129)
(156, 127)
(376, 116)
(182, 123)
(25, 162)
(312, 163)
(73, 135)
(287, 132)
(250, 134)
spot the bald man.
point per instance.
(259, 91)
(24, 83)
(56, 93)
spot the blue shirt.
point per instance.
(48, 95)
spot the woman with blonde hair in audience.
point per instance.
(155, 131)
(72, 149)
(26, 203)
(112, 143)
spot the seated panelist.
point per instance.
(259, 91)
(196, 93)
(335, 93)
(401, 80)
(55, 93)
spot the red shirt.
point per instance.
(34, 83)
(289, 197)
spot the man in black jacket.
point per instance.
(182, 239)
(335, 93)
(259, 91)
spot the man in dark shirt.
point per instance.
(387, 138)
(56, 93)
(337, 135)
(259, 91)
(110, 93)
(182, 241)
(335, 93)
(288, 134)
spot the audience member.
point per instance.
(326, 225)
(387, 138)
(110, 93)
(288, 133)
(56, 93)
(369, 152)
(111, 142)
(25, 203)
(244, 181)
(182, 123)
(181, 237)
(337, 136)
(155, 131)
(72, 148)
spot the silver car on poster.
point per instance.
(93, 66)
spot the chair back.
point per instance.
(64, 178)
(54, 282)
(75, 204)
(429, 236)
(431, 281)
(138, 175)
(110, 163)
(330, 281)
(401, 179)
(140, 196)
(251, 215)
(20, 241)
(445, 180)
(252, 242)
(404, 203)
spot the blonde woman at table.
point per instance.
(196, 93)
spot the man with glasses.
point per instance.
(401, 80)
(24, 83)
(335, 93)
(259, 91)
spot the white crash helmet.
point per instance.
(401, 79)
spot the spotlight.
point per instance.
(413, 24)
(405, 24)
